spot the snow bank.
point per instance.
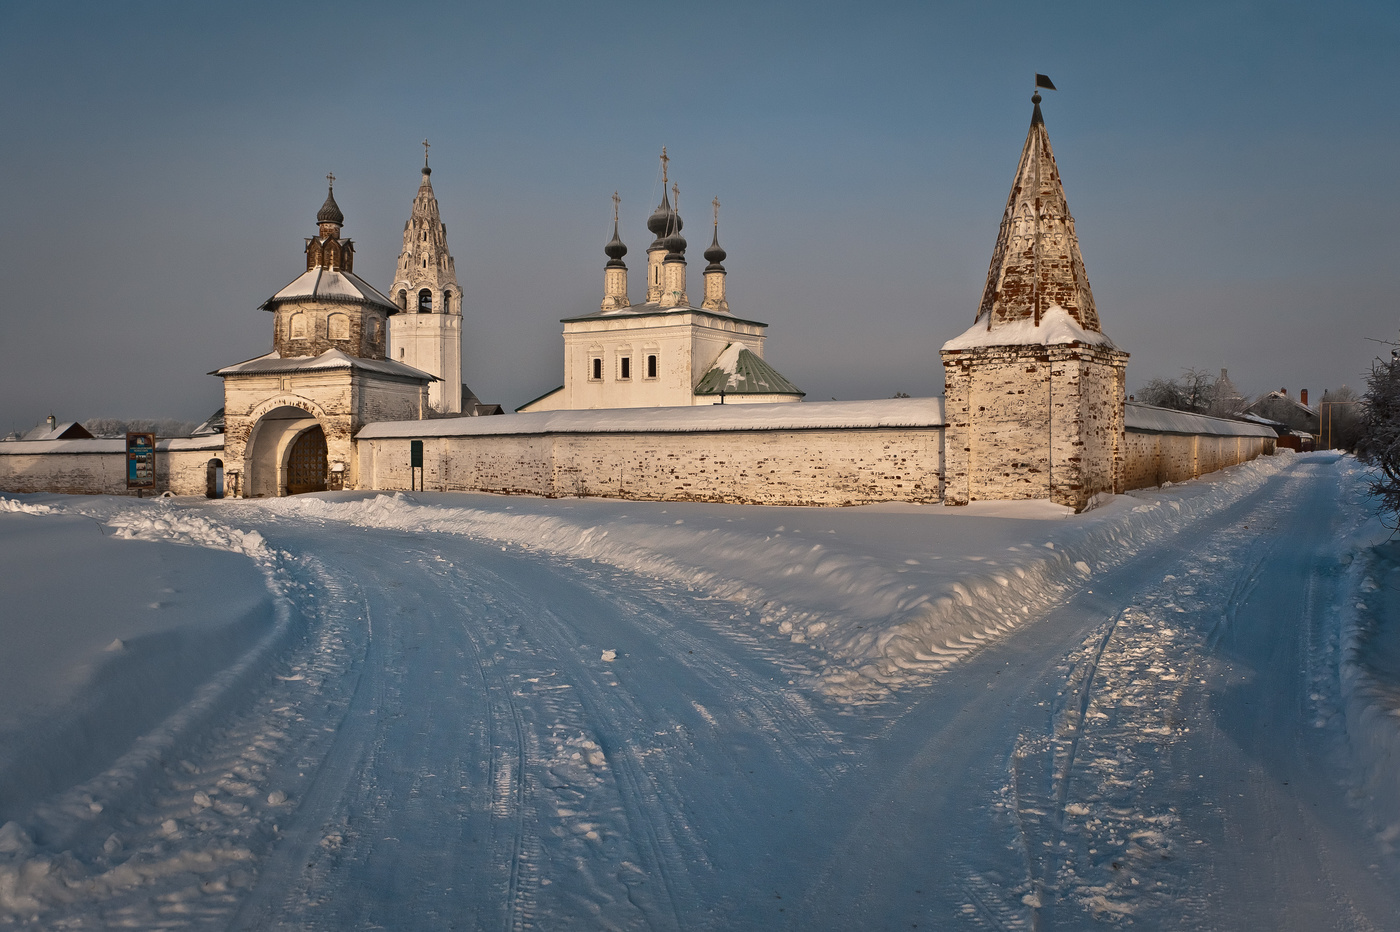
(882, 612)
(1370, 669)
(113, 717)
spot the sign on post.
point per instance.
(140, 461)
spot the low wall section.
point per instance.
(823, 453)
(1162, 445)
(98, 467)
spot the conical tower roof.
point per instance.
(1036, 264)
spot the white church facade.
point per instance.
(664, 399)
(664, 351)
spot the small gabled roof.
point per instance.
(331, 359)
(68, 430)
(739, 371)
(331, 286)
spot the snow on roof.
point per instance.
(68, 430)
(1056, 327)
(652, 309)
(118, 445)
(332, 285)
(887, 412)
(740, 371)
(330, 359)
(1152, 419)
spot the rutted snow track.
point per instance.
(461, 731)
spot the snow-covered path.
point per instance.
(476, 732)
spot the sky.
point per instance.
(1228, 165)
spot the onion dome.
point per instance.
(330, 210)
(615, 250)
(715, 254)
(664, 220)
(675, 244)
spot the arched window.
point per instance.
(297, 327)
(338, 327)
(403, 300)
(447, 302)
(425, 301)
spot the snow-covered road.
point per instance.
(493, 718)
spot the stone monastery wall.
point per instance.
(842, 453)
(825, 453)
(98, 467)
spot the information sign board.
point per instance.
(140, 461)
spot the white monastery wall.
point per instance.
(1173, 446)
(98, 467)
(838, 453)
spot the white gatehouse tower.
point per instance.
(427, 333)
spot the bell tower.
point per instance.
(427, 332)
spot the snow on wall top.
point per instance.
(169, 445)
(1056, 327)
(1152, 419)
(888, 412)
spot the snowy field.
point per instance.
(1180, 710)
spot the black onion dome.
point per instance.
(715, 254)
(675, 244)
(615, 249)
(330, 210)
(664, 220)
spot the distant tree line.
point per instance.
(1340, 411)
(1197, 391)
(112, 427)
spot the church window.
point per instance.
(297, 327)
(596, 367)
(403, 300)
(338, 327)
(651, 365)
(425, 300)
(624, 368)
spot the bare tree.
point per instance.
(1341, 418)
(1193, 391)
(1379, 445)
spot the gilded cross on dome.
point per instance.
(330, 179)
(426, 144)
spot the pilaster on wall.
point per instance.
(1027, 422)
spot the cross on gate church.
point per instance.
(666, 399)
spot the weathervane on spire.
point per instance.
(664, 159)
(425, 153)
(1041, 81)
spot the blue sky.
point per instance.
(1228, 165)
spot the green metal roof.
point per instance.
(738, 371)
